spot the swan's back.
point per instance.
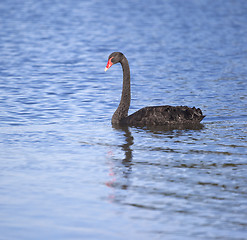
(164, 115)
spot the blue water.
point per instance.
(66, 173)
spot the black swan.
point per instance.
(148, 116)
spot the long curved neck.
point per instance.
(123, 107)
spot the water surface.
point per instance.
(66, 173)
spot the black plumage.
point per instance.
(148, 116)
(164, 115)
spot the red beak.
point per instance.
(109, 64)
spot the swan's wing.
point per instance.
(164, 115)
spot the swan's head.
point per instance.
(114, 58)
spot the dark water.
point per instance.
(66, 173)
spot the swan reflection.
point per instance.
(120, 166)
(120, 171)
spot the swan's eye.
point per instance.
(112, 59)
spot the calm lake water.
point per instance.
(66, 173)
